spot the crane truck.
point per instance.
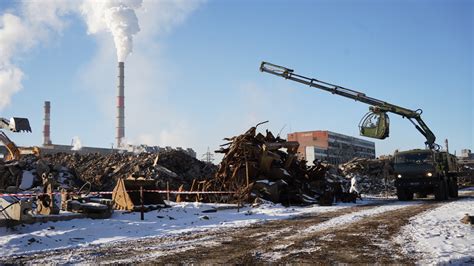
(421, 171)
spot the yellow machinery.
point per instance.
(131, 193)
(16, 124)
(15, 152)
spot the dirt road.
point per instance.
(359, 234)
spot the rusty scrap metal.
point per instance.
(265, 166)
(128, 194)
(46, 204)
(374, 176)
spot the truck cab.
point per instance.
(424, 171)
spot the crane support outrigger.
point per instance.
(374, 124)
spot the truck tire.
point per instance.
(453, 188)
(404, 194)
(441, 192)
(421, 195)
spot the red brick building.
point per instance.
(331, 147)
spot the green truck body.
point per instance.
(424, 172)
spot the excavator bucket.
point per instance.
(126, 194)
(375, 125)
(18, 124)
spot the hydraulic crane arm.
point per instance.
(377, 106)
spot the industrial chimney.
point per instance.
(120, 107)
(47, 123)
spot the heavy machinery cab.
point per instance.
(415, 163)
(375, 125)
(425, 172)
(440, 162)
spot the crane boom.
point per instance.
(378, 106)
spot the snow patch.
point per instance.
(438, 236)
(124, 226)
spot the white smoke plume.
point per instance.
(117, 17)
(76, 144)
(35, 21)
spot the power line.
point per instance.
(208, 157)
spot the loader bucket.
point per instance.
(18, 124)
(375, 125)
(126, 194)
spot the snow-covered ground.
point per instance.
(438, 236)
(278, 252)
(180, 218)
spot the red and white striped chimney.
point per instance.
(120, 106)
(47, 123)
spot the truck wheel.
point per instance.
(453, 188)
(404, 194)
(421, 195)
(441, 192)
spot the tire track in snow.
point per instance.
(367, 240)
(248, 245)
(275, 252)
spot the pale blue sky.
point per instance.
(198, 80)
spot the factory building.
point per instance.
(332, 147)
(49, 147)
(466, 154)
(466, 158)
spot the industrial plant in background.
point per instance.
(49, 148)
(332, 147)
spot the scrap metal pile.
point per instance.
(102, 171)
(132, 177)
(265, 166)
(10, 174)
(254, 165)
(374, 176)
(171, 167)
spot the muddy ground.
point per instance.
(367, 239)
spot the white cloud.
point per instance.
(18, 34)
(11, 30)
(10, 83)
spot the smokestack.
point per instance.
(47, 123)
(120, 106)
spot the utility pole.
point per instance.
(208, 157)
